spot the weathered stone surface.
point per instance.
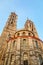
(20, 47)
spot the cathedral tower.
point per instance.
(11, 26)
(31, 27)
(8, 31)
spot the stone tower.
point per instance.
(11, 24)
(8, 31)
(23, 46)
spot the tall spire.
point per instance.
(29, 25)
(11, 25)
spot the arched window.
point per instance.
(32, 29)
(36, 44)
(25, 62)
(23, 33)
(24, 42)
(29, 34)
(18, 34)
(13, 43)
(41, 60)
(25, 59)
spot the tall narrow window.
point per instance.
(25, 62)
(36, 44)
(41, 60)
(32, 29)
(14, 43)
(11, 59)
(6, 59)
(24, 42)
(18, 34)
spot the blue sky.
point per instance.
(32, 9)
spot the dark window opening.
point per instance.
(23, 33)
(41, 60)
(11, 22)
(14, 43)
(24, 40)
(25, 62)
(32, 29)
(36, 44)
(42, 63)
(18, 34)
(29, 34)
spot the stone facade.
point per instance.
(20, 47)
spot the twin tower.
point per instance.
(20, 47)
